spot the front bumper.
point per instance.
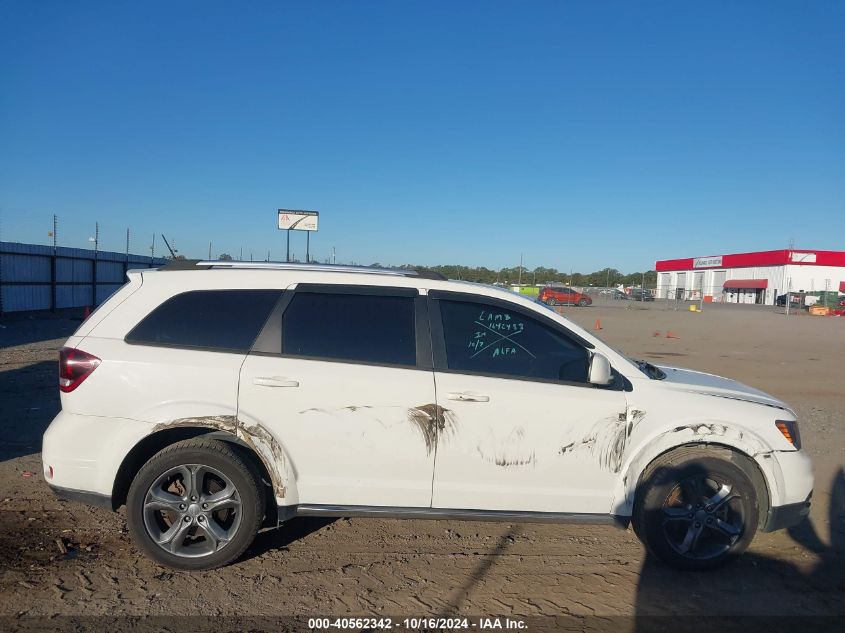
(781, 517)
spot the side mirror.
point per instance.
(600, 373)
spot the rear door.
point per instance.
(521, 429)
(341, 377)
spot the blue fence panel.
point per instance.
(27, 276)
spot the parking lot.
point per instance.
(61, 558)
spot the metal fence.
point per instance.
(37, 277)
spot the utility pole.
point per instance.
(334, 258)
(241, 258)
(209, 251)
(787, 280)
(167, 244)
(153, 249)
(127, 244)
(53, 265)
(94, 267)
(519, 274)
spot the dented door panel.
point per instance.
(532, 446)
(355, 434)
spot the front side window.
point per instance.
(220, 320)
(488, 339)
(363, 328)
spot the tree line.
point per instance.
(606, 277)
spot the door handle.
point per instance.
(274, 381)
(466, 396)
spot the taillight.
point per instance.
(74, 367)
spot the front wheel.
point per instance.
(195, 505)
(583, 303)
(697, 509)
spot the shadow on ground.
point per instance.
(747, 586)
(671, 600)
(24, 330)
(291, 531)
(29, 400)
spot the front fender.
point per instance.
(718, 433)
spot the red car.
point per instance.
(559, 295)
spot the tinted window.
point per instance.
(362, 328)
(226, 320)
(491, 340)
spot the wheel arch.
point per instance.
(758, 478)
(158, 440)
(766, 475)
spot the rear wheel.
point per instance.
(698, 508)
(195, 505)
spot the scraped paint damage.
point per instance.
(607, 439)
(433, 423)
(256, 437)
(507, 452)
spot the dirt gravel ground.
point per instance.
(63, 558)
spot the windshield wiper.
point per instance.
(655, 373)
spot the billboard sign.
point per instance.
(707, 262)
(293, 220)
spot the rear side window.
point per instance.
(492, 340)
(224, 320)
(359, 328)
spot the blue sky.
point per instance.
(582, 134)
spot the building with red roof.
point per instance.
(758, 277)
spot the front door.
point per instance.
(521, 428)
(345, 391)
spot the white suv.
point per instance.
(216, 400)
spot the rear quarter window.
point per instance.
(348, 327)
(218, 320)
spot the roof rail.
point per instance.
(327, 268)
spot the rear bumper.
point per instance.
(82, 453)
(82, 496)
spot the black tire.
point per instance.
(552, 301)
(583, 303)
(193, 548)
(681, 504)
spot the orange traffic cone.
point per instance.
(656, 334)
(670, 335)
(597, 326)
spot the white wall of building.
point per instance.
(690, 284)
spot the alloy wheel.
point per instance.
(702, 518)
(192, 510)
